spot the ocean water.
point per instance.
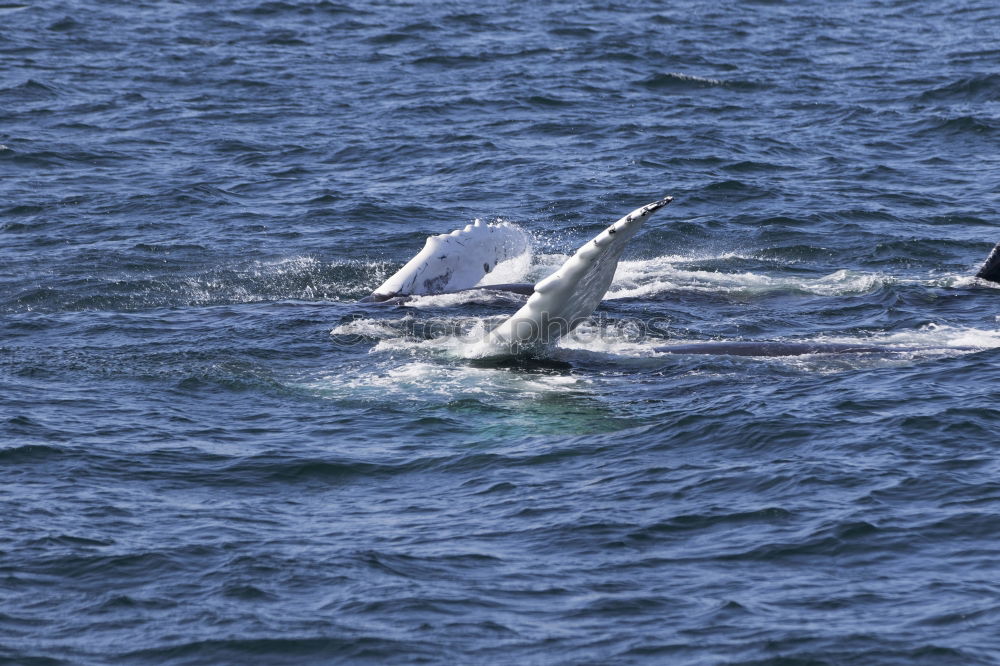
(210, 453)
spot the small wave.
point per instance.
(754, 166)
(29, 91)
(48, 159)
(299, 649)
(958, 126)
(396, 37)
(65, 24)
(730, 192)
(275, 7)
(449, 61)
(683, 82)
(976, 88)
(27, 453)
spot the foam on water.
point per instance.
(451, 300)
(368, 328)
(429, 382)
(649, 277)
(933, 337)
(624, 341)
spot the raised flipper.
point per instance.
(455, 261)
(990, 270)
(568, 296)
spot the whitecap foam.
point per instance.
(695, 79)
(609, 338)
(962, 281)
(367, 328)
(422, 381)
(929, 337)
(648, 277)
(448, 300)
(627, 340)
(456, 337)
(845, 282)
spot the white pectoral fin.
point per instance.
(568, 296)
(455, 261)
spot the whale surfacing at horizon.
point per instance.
(566, 298)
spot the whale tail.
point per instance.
(990, 270)
(455, 262)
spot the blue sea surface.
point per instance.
(210, 453)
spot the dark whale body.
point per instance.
(990, 270)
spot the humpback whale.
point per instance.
(462, 261)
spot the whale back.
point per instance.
(455, 261)
(567, 297)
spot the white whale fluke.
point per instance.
(455, 261)
(567, 297)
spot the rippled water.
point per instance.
(212, 454)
